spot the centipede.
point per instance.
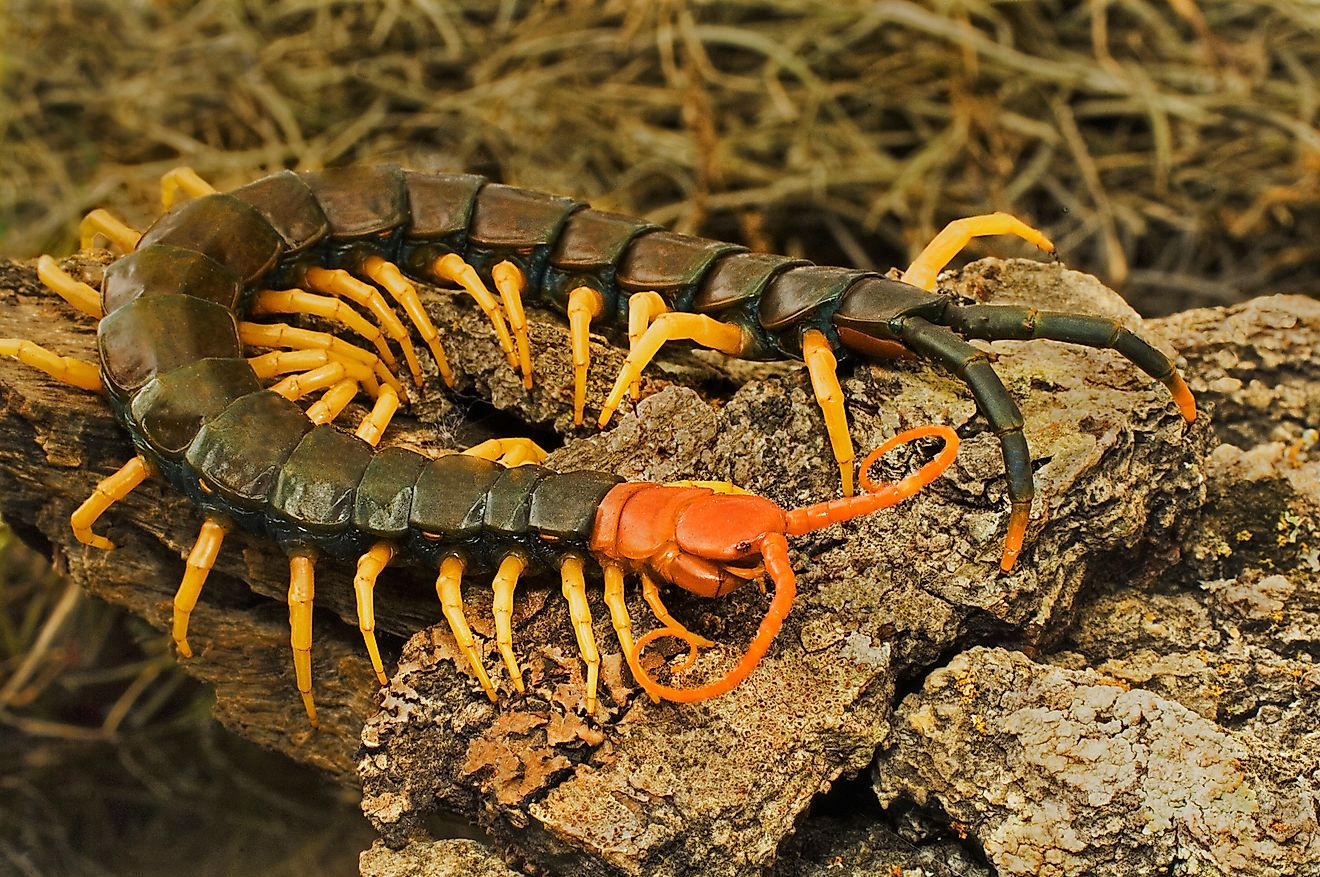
(183, 310)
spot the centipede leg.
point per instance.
(110, 491)
(103, 222)
(75, 292)
(297, 301)
(391, 279)
(336, 281)
(452, 269)
(448, 588)
(957, 234)
(706, 331)
(509, 452)
(584, 305)
(200, 561)
(185, 180)
(575, 592)
(374, 424)
(821, 366)
(302, 589)
(368, 569)
(510, 283)
(643, 307)
(333, 402)
(620, 618)
(504, 583)
(304, 344)
(65, 369)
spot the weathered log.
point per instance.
(711, 788)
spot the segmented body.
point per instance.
(172, 360)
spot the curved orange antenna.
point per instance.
(877, 496)
(774, 549)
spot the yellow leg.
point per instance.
(584, 305)
(704, 330)
(103, 222)
(643, 307)
(957, 234)
(506, 579)
(364, 583)
(373, 425)
(110, 491)
(333, 402)
(281, 335)
(185, 180)
(388, 275)
(822, 365)
(295, 386)
(339, 282)
(302, 588)
(651, 594)
(447, 586)
(575, 592)
(452, 269)
(509, 452)
(296, 301)
(510, 282)
(619, 617)
(200, 561)
(65, 369)
(75, 292)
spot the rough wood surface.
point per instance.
(712, 788)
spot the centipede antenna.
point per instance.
(584, 305)
(504, 583)
(185, 180)
(110, 491)
(65, 369)
(102, 222)
(75, 292)
(448, 586)
(575, 592)
(957, 234)
(302, 589)
(337, 281)
(452, 269)
(877, 496)
(368, 568)
(297, 301)
(673, 326)
(201, 559)
(822, 368)
(774, 550)
(391, 279)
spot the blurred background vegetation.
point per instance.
(1168, 146)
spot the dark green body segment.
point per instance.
(238, 455)
(313, 496)
(517, 225)
(367, 209)
(156, 334)
(563, 505)
(162, 269)
(223, 227)
(509, 500)
(384, 497)
(440, 207)
(803, 298)
(450, 498)
(172, 408)
(586, 254)
(672, 265)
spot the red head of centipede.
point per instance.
(709, 542)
